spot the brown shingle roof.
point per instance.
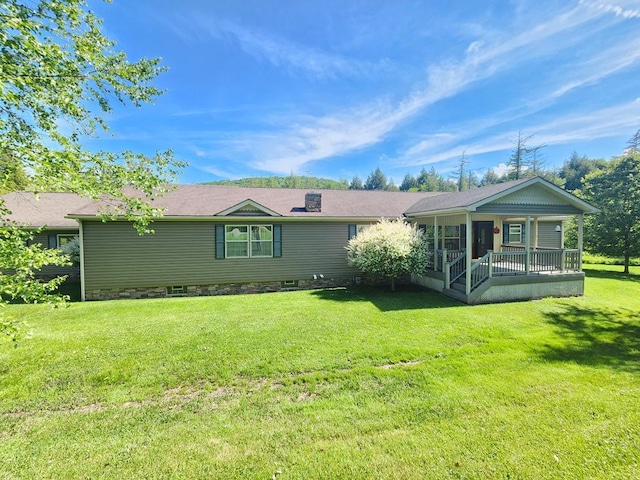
(210, 200)
(44, 209)
(461, 199)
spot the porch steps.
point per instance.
(455, 294)
(458, 289)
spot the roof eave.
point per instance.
(444, 211)
(243, 218)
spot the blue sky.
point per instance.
(335, 88)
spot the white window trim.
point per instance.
(514, 229)
(248, 241)
(444, 239)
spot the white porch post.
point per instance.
(469, 241)
(527, 244)
(580, 240)
(535, 233)
(435, 244)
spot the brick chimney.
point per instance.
(313, 202)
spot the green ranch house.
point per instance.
(497, 243)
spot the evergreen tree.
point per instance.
(490, 177)
(634, 143)
(409, 182)
(376, 180)
(520, 163)
(356, 183)
(462, 163)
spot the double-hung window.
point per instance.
(451, 237)
(243, 241)
(514, 233)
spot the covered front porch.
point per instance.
(507, 246)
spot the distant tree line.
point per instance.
(290, 181)
(425, 181)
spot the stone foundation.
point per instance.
(219, 289)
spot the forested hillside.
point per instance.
(291, 181)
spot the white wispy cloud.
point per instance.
(353, 128)
(620, 11)
(281, 52)
(568, 128)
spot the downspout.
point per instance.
(81, 235)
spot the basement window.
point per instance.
(176, 290)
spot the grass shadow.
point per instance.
(595, 337)
(406, 297)
(611, 275)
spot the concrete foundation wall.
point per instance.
(434, 283)
(509, 289)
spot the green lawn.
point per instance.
(327, 384)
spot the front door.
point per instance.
(482, 238)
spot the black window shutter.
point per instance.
(353, 230)
(53, 241)
(505, 233)
(219, 241)
(277, 240)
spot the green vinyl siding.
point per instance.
(547, 235)
(184, 253)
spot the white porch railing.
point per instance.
(437, 262)
(518, 262)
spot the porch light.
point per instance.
(558, 228)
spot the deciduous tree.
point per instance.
(615, 190)
(576, 168)
(59, 76)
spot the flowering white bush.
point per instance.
(390, 248)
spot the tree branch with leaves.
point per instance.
(59, 77)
